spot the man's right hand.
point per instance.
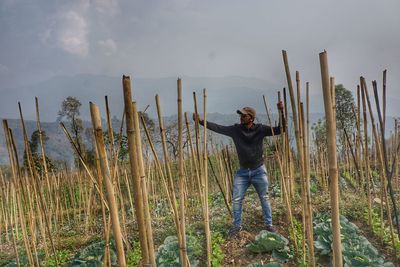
(196, 117)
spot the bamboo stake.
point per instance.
(384, 153)
(183, 247)
(285, 193)
(160, 171)
(99, 190)
(137, 190)
(143, 185)
(333, 172)
(182, 253)
(35, 177)
(366, 156)
(205, 183)
(96, 121)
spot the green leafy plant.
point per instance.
(93, 255)
(135, 255)
(267, 241)
(275, 190)
(357, 250)
(271, 242)
(168, 252)
(62, 259)
(383, 233)
(217, 254)
(24, 261)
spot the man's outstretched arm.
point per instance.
(225, 130)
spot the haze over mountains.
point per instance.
(224, 96)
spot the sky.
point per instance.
(41, 39)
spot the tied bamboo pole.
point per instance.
(205, 184)
(46, 173)
(298, 135)
(333, 171)
(143, 185)
(366, 154)
(181, 174)
(285, 194)
(388, 173)
(37, 188)
(181, 235)
(105, 171)
(137, 190)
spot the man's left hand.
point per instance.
(280, 105)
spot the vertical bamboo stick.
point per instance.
(181, 173)
(333, 172)
(181, 235)
(142, 176)
(96, 121)
(205, 182)
(137, 190)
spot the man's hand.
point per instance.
(196, 117)
(280, 105)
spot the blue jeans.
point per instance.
(241, 182)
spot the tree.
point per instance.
(70, 112)
(36, 155)
(120, 140)
(345, 117)
(319, 129)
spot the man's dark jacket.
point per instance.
(248, 142)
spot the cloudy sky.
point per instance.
(159, 38)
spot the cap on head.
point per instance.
(247, 111)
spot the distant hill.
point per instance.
(224, 94)
(58, 147)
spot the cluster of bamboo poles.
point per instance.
(325, 160)
(36, 205)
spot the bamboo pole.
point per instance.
(205, 184)
(137, 190)
(143, 185)
(366, 154)
(161, 172)
(285, 194)
(333, 171)
(388, 173)
(42, 205)
(96, 121)
(183, 247)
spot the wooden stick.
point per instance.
(182, 248)
(137, 190)
(142, 176)
(105, 171)
(333, 171)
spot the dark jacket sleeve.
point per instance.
(267, 130)
(225, 130)
(270, 131)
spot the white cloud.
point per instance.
(108, 46)
(72, 35)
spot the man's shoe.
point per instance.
(270, 228)
(234, 231)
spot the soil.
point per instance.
(235, 251)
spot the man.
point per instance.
(248, 139)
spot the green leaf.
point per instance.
(267, 241)
(282, 255)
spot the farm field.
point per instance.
(150, 194)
